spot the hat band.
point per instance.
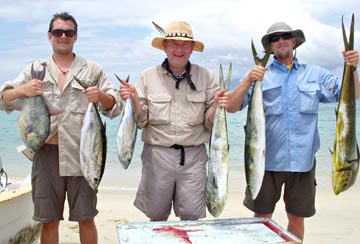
(177, 34)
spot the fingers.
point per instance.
(224, 99)
(93, 93)
(351, 57)
(33, 88)
(257, 73)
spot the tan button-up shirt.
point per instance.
(72, 101)
(175, 116)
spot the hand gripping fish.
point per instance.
(345, 155)
(217, 179)
(126, 135)
(34, 119)
(92, 142)
(255, 141)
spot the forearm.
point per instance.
(238, 94)
(107, 100)
(12, 94)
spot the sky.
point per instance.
(117, 34)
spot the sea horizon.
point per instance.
(116, 178)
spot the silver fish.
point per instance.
(345, 155)
(34, 118)
(255, 141)
(217, 179)
(126, 135)
(93, 143)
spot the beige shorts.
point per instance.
(50, 189)
(165, 182)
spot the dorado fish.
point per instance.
(217, 179)
(345, 155)
(126, 135)
(92, 142)
(34, 118)
(255, 141)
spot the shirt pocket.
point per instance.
(272, 100)
(78, 101)
(309, 97)
(159, 109)
(196, 109)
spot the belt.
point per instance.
(176, 146)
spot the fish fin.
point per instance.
(228, 78)
(119, 79)
(82, 83)
(161, 30)
(53, 110)
(38, 74)
(221, 77)
(17, 104)
(25, 151)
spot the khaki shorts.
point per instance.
(49, 190)
(299, 193)
(165, 182)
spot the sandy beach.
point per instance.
(337, 219)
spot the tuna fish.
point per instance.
(345, 155)
(126, 135)
(254, 156)
(34, 118)
(217, 179)
(92, 142)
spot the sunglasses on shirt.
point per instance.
(59, 33)
(285, 36)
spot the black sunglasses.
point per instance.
(285, 36)
(59, 33)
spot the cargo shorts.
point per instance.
(299, 193)
(165, 182)
(49, 190)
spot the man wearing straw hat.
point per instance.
(291, 92)
(175, 104)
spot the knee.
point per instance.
(50, 225)
(295, 219)
(87, 224)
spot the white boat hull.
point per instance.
(16, 210)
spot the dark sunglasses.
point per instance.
(285, 36)
(59, 33)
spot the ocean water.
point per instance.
(115, 177)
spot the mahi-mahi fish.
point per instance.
(345, 155)
(255, 141)
(217, 179)
(127, 131)
(34, 118)
(92, 142)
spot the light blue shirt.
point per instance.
(291, 103)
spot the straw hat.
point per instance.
(281, 27)
(178, 30)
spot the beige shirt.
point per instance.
(175, 116)
(72, 101)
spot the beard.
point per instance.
(284, 54)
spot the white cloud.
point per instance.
(117, 34)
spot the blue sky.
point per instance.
(117, 34)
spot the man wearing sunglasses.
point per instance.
(56, 171)
(291, 93)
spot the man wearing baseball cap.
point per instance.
(292, 92)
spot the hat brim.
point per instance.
(298, 34)
(158, 42)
